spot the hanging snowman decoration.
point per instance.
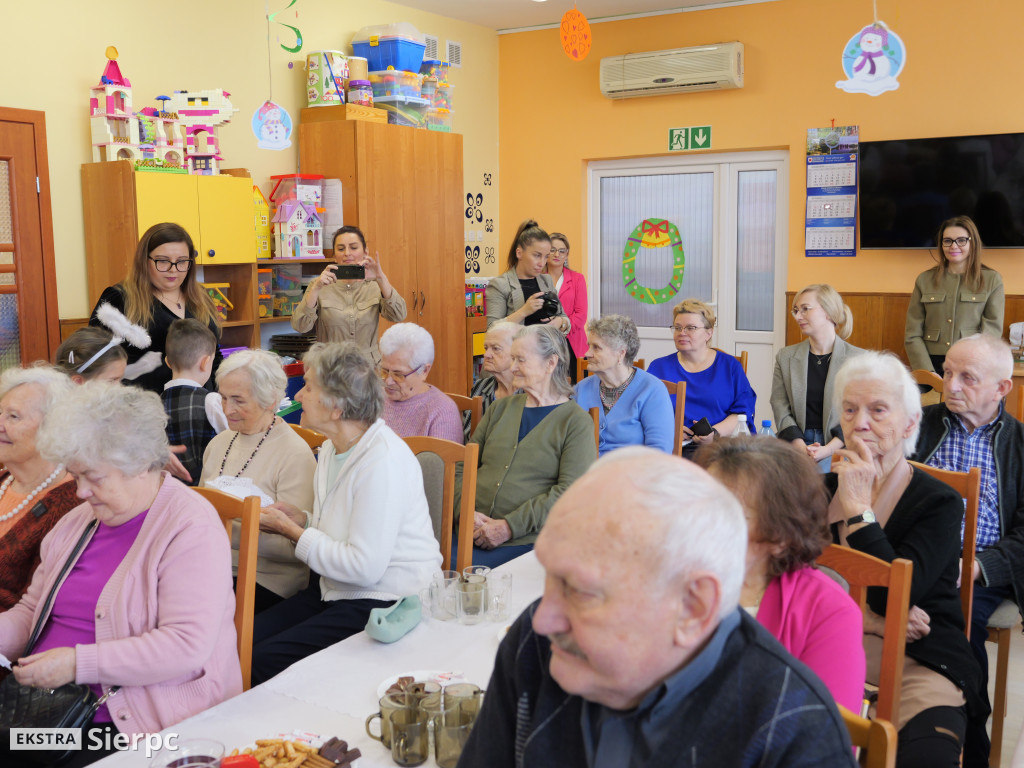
(273, 126)
(872, 60)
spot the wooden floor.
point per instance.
(1015, 693)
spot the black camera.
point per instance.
(550, 308)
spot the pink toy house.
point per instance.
(114, 126)
(201, 112)
(298, 231)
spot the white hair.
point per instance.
(551, 343)
(704, 525)
(504, 328)
(267, 380)
(56, 384)
(998, 355)
(348, 378)
(100, 423)
(409, 336)
(886, 368)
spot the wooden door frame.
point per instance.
(38, 122)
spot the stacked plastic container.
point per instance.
(394, 53)
(439, 114)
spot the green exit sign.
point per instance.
(694, 137)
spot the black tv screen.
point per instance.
(909, 187)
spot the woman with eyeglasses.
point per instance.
(957, 297)
(160, 287)
(572, 293)
(716, 386)
(802, 384)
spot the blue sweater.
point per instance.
(643, 414)
(715, 392)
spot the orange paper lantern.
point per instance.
(575, 35)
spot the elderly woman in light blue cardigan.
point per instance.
(633, 406)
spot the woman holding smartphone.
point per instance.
(349, 306)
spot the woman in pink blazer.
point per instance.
(787, 511)
(572, 293)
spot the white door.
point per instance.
(711, 227)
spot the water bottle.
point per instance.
(766, 429)
(742, 428)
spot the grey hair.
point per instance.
(551, 343)
(105, 423)
(707, 533)
(619, 332)
(886, 368)
(506, 327)
(348, 378)
(409, 336)
(267, 380)
(55, 383)
(998, 354)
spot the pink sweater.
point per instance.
(431, 414)
(165, 620)
(821, 626)
(573, 295)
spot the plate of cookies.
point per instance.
(285, 752)
(402, 683)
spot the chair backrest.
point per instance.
(741, 358)
(678, 390)
(862, 571)
(313, 438)
(968, 485)
(475, 406)
(247, 512)
(595, 414)
(583, 367)
(437, 459)
(876, 739)
(1020, 402)
(928, 378)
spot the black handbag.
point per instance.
(70, 706)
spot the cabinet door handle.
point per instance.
(415, 300)
(211, 252)
(423, 302)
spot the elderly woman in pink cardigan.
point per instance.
(146, 606)
(787, 511)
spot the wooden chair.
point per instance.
(247, 512)
(313, 438)
(862, 571)
(741, 358)
(968, 485)
(1020, 403)
(1001, 625)
(475, 406)
(583, 367)
(595, 414)
(876, 739)
(677, 389)
(437, 459)
(928, 378)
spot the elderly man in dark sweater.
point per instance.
(971, 428)
(637, 654)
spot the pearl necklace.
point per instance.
(24, 502)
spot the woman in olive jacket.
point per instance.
(958, 297)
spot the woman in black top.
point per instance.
(886, 508)
(160, 287)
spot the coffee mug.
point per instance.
(409, 741)
(389, 704)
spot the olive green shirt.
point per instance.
(520, 482)
(940, 315)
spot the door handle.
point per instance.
(415, 300)
(423, 302)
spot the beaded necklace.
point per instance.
(35, 491)
(610, 396)
(251, 456)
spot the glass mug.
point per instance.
(451, 730)
(472, 601)
(409, 741)
(192, 753)
(389, 704)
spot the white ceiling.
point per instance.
(509, 15)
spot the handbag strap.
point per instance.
(37, 630)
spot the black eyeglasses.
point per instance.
(165, 265)
(961, 241)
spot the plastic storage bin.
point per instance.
(410, 84)
(285, 301)
(287, 278)
(399, 46)
(266, 306)
(264, 281)
(435, 68)
(409, 115)
(428, 87)
(385, 83)
(443, 96)
(439, 120)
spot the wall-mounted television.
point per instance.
(908, 187)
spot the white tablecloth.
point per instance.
(332, 692)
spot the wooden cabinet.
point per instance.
(119, 204)
(403, 188)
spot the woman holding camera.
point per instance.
(349, 306)
(519, 295)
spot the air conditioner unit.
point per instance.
(656, 73)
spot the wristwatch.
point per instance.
(867, 516)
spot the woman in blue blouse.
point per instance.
(716, 386)
(634, 407)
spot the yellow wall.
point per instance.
(963, 76)
(52, 54)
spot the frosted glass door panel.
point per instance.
(687, 201)
(755, 250)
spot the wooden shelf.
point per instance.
(235, 323)
(285, 262)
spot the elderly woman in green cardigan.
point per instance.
(533, 445)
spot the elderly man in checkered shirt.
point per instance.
(971, 428)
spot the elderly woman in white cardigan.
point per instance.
(369, 540)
